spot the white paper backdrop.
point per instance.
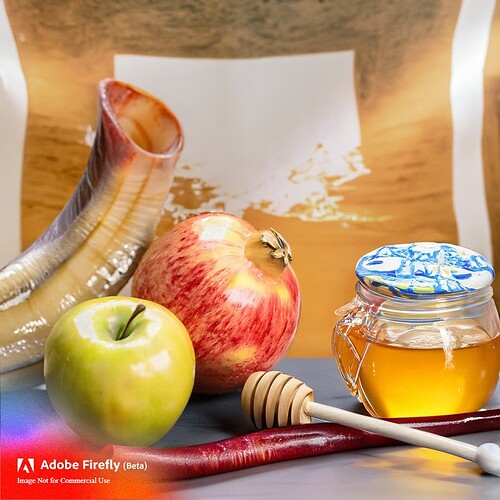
(270, 133)
(13, 113)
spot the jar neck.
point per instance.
(426, 307)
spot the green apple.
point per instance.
(119, 370)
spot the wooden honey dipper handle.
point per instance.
(274, 399)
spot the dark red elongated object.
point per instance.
(286, 443)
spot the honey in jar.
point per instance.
(422, 335)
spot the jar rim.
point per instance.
(425, 308)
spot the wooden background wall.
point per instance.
(402, 79)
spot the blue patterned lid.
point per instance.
(415, 269)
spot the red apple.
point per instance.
(233, 288)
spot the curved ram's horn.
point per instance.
(93, 247)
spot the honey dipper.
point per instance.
(273, 399)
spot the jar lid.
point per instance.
(425, 268)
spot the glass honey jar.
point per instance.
(422, 335)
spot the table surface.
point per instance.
(387, 472)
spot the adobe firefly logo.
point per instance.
(26, 465)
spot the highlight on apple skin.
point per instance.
(233, 288)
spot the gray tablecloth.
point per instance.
(402, 472)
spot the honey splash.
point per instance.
(407, 381)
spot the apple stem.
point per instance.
(123, 333)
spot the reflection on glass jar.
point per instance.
(421, 337)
